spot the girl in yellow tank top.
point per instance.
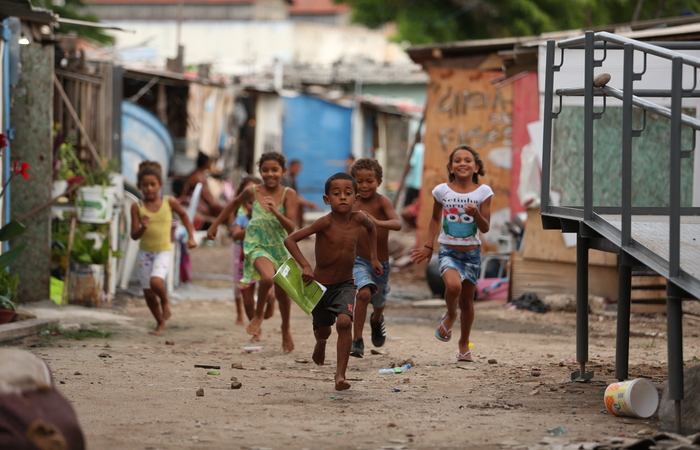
(151, 220)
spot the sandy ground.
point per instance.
(134, 390)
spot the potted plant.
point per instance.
(87, 260)
(95, 199)
(7, 310)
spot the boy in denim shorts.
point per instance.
(337, 236)
(372, 288)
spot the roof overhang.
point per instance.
(23, 10)
(681, 28)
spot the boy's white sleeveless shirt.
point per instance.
(458, 227)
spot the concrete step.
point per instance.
(23, 328)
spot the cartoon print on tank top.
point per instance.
(458, 224)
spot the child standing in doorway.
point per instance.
(151, 222)
(462, 208)
(337, 235)
(372, 288)
(273, 218)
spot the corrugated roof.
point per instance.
(317, 7)
(652, 29)
(367, 73)
(24, 10)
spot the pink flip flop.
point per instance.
(448, 334)
(463, 356)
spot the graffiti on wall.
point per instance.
(464, 107)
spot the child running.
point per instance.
(372, 288)
(464, 206)
(237, 231)
(244, 293)
(337, 235)
(151, 222)
(273, 218)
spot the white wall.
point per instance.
(268, 125)
(244, 47)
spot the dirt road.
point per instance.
(134, 390)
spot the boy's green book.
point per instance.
(288, 276)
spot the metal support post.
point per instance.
(623, 319)
(582, 246)
(674, 323)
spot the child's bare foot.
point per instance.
(319, 355)
(287, 342)
(167, 313)
(159, 329)
(239, 321)
(269, 308)
(257, 337)
(254, 325)
(340, 383)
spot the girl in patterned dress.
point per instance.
(273, 218)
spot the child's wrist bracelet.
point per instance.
(431, 248)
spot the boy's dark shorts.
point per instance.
(338, 299)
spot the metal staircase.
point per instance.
(664, 238)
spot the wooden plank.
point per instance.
(648, 294)
(648, 281)
(23, 328)
(492, 62)
(463, 107)
(642, 308)
(74, 114)
(556, 277)
(548, 245)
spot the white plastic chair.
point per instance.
(192, 211)
(173, 277)
(127, 262)
(194, 201)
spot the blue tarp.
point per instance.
(319, 134)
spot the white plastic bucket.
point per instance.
(634, 398)
(95, 204)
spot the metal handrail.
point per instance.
(637, 45)
(629, 101)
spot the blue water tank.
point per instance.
(144, 137)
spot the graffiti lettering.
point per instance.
(459, 103)
(475, 137)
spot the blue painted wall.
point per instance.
(317, 133)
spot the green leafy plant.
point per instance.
(67, 161)
(8, 285)
(6, 303)
(101, 176)
(72, 169)
(11, 231)
(84, 250)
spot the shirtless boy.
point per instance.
(337, 235)
(372, 288)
